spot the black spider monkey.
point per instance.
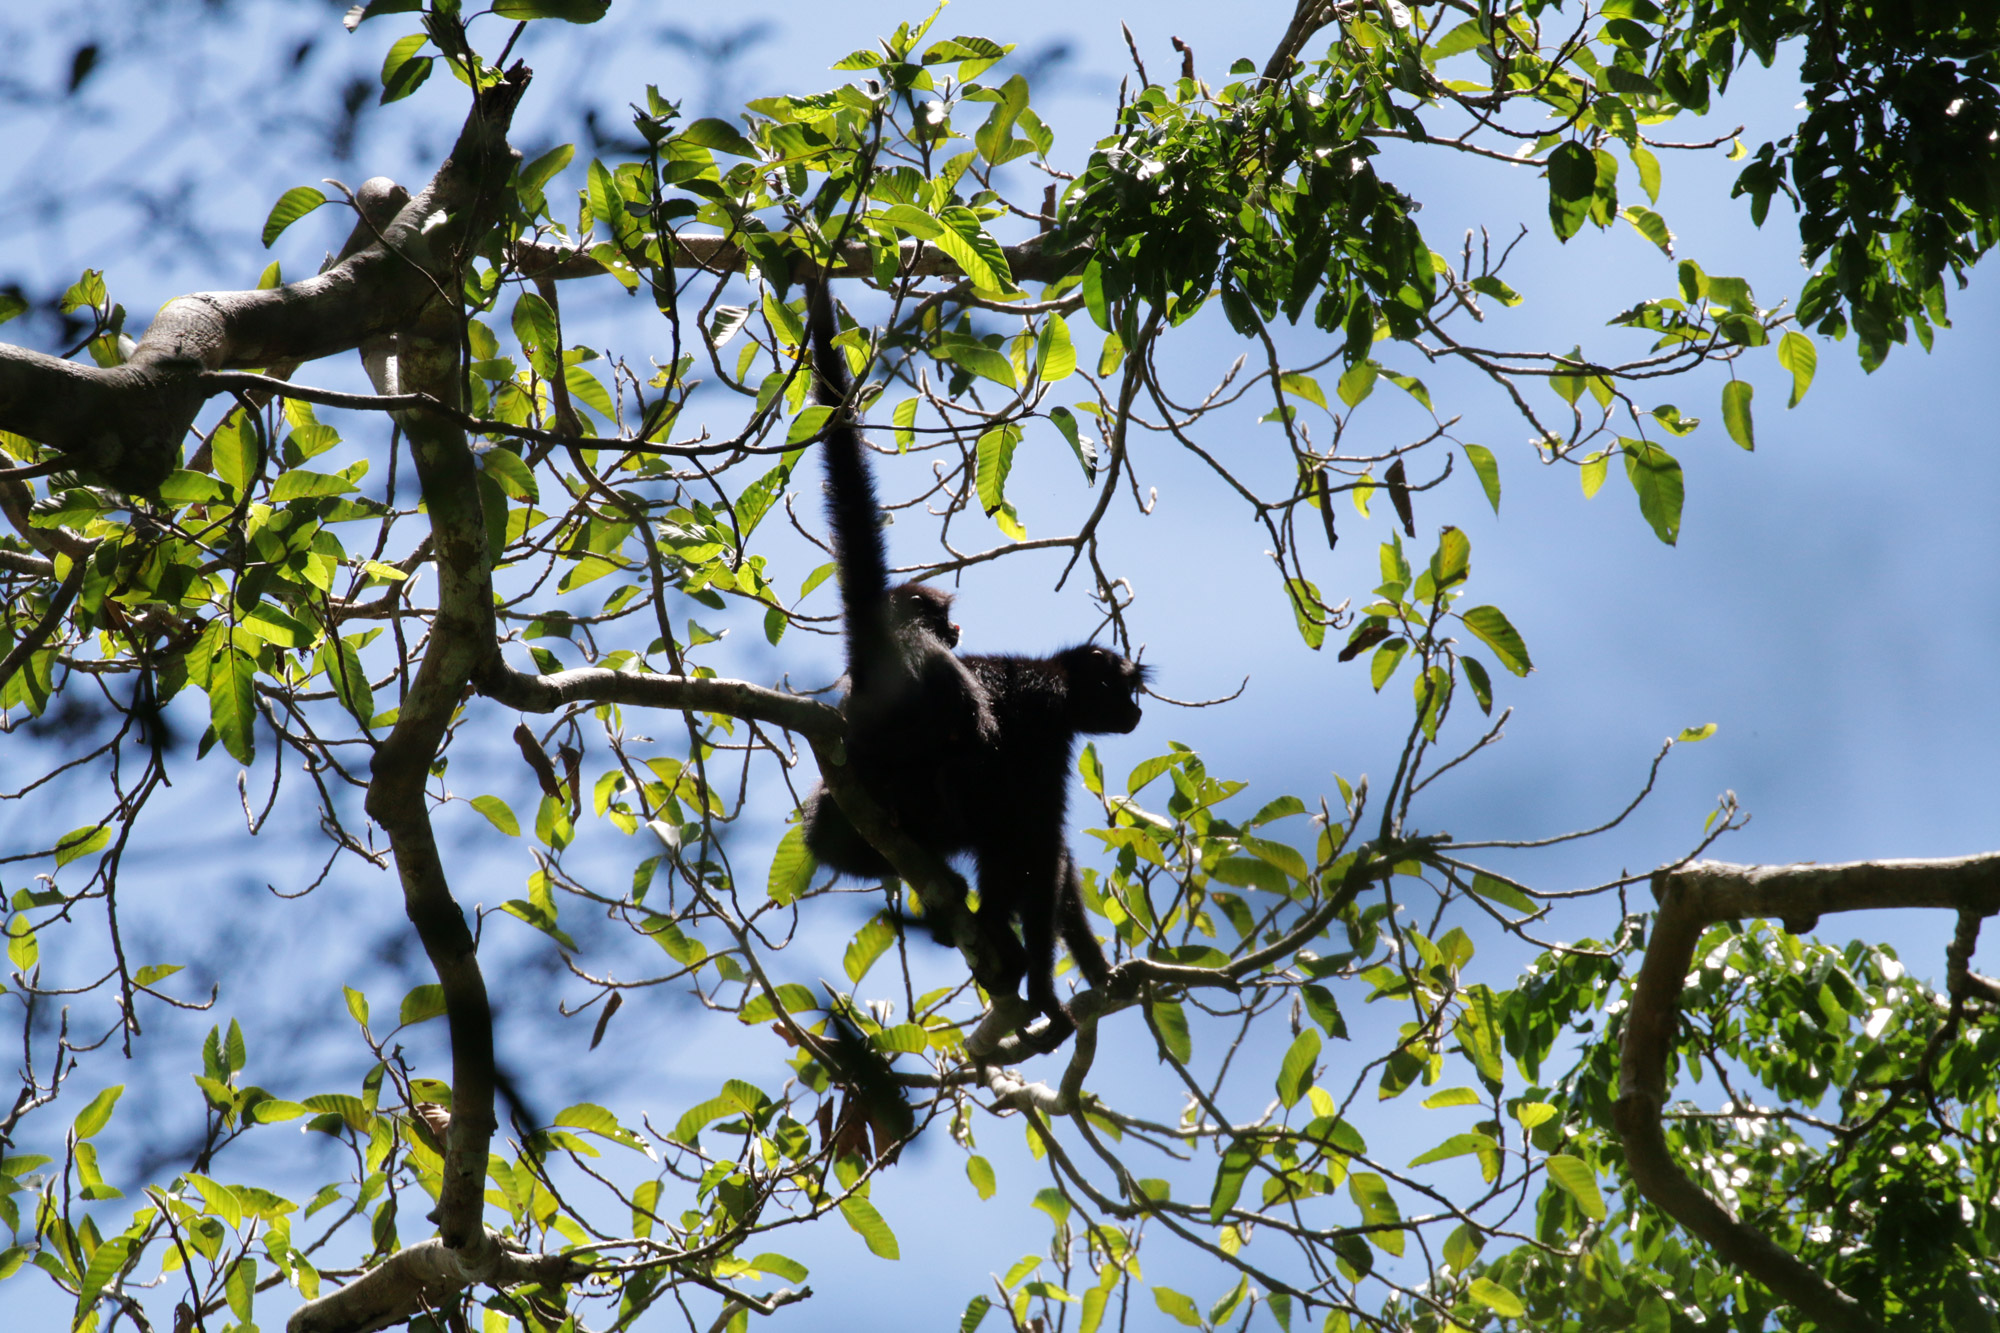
(967, 753)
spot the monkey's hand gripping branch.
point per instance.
(1692, 899)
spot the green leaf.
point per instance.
(292, 205)
(1452, 564)
(185, 488)
(810, 421)
(403, 71)
(980, 1172)
(1055, 355)
(1649, 171)
(1458, 1145)
(1234, 1169)
(570, 11)
(869, 943)
(1592, 473)
(232, 703)
(300, 484)
(1181, 1309)
(1296, 1073)
(868, 1223)
(996, 460)
(1736, 396)
(1171, 1020)
(275, 625)
(904, 418)
(1796, 354)
(510, 470)
(498, 814)
(910, 218)
(1500, 891)
(535, 322)
(1356, 383)
(595, 1119)
(240, 1287)
(964, 239)
(1656, 475)
(21, 943)
(11, 306)
(1651, 226)
(1579, 1182)
(537, 174)
(1488, 470)
(792, 867)
(1378, 1207)
(349, 1108)
(233, 448)
(97, 1113)
(778, 1265)
(104, 1265)
(978, 358)
(422, 1004)
(81, 842)
(1080, 444)
(1305, 599)
(1499, 634)
(1497, 1298)
(1306, 387)
(1572, 185)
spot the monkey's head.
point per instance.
(1103, 689)
(924, 606)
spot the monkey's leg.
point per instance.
(1077, 935)
(834, 842)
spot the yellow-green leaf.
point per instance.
(497, 814)
(1736, 397)
(1796, 354)
(1055, 356)
(1579, 1182)
(422, 1004)
(1296, 1073)
(868, 1223)
(1497, 1298)
(97, 1113)
(792, 867)
(292, 205)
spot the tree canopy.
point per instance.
(1682, 1112)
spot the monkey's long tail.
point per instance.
(851, 508)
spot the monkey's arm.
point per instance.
(971, 703)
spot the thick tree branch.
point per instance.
(469, 187)
(127, 422)
(596, 685)
(1691, 900)
(428, 1276)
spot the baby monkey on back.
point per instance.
(965, 753)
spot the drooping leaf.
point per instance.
(868, 1224)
